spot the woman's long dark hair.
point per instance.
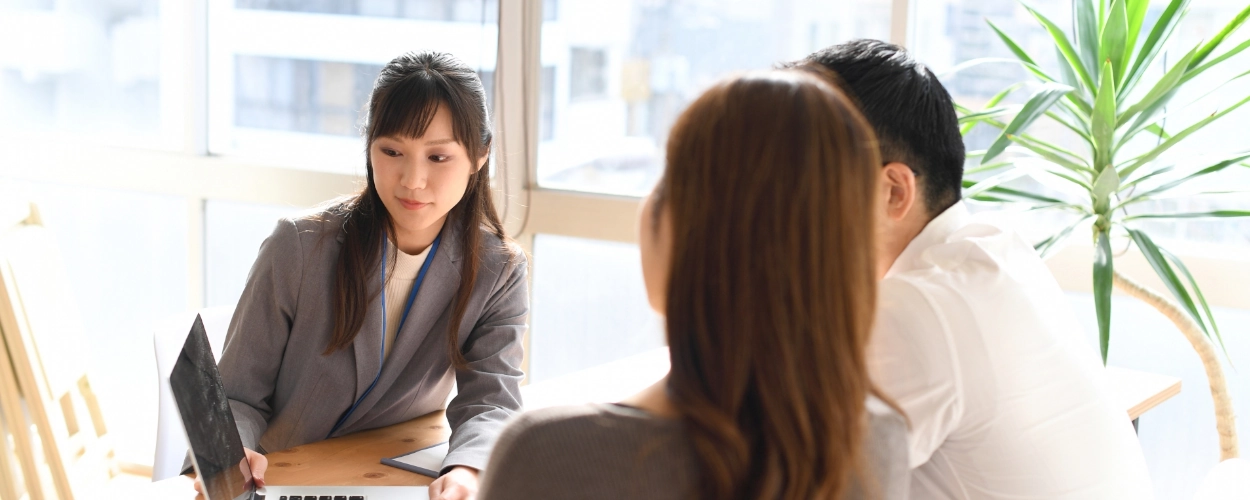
(769, 184)
(403, 103)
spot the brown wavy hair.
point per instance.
(770, 182)
(405, 97)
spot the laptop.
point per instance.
(217, 451)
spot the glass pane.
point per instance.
(622, 71)
(233, 233)
(107, 72)
(589, 306)
(118, 290)
(283, 91)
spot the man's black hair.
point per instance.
(910, 110)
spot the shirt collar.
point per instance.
(935, 232)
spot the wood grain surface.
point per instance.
(355, 459)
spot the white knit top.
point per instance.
(398, 285)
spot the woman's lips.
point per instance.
(412, 204)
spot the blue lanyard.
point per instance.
(412, 298)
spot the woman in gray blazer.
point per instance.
(364, 314)
(757, 247)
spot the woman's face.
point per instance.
(655, 241)
(421, 179)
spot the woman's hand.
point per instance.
(257, 462)
(459, 483)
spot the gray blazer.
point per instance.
(284, 392)
(607, 451)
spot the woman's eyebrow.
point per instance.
(438, 142)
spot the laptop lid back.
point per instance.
(216, 450)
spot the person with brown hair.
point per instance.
(365, 314)
(757, 247)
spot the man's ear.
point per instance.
(899, 189)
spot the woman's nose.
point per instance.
(413, 175)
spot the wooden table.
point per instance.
(354, 460)
(1140, 391)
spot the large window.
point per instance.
(589, 306)
(625, 69)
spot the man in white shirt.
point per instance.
(974, 339)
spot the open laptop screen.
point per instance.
(216, 448)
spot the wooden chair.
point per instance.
(19, 477)
(44, 340)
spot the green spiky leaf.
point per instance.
(1164, 270)
(1104, 272)
(1102, 122)
(1162, 31)
(1113, 37)
(1202, 300)
(1035, 107)
(1229, 28)
(1065, 47)
(1178, 137)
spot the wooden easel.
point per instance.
(45, 374)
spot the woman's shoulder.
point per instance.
(595, 451)
(499, 249)
(323, 220)
(587, 418)
(601, 427)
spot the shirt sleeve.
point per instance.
(911, 358)
(259, 331)
(489, 391)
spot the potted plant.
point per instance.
(1101, 98)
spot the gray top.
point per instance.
(284, 392)
(609, 451)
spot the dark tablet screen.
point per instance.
(218, 452)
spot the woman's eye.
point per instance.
(438, 158)
(390, 152)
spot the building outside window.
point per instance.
(587, 68)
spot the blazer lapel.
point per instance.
(432, 303)
(368, 344)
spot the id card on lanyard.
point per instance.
(412, 298)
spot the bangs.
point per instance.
(408, 108)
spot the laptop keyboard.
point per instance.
(322, 497)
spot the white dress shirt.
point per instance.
(977, 344)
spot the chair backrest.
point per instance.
(19, 476)
(171, 440)
(44, 337)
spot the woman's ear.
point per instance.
(481, 162)
(898, 189)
